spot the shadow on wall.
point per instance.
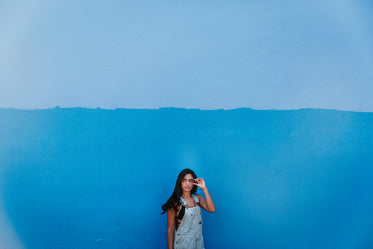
(83, 178)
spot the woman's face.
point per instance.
(187, 183)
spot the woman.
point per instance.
(184, 212)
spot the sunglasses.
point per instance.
(188, 180)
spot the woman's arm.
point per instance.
(171, 215)
(207, 204)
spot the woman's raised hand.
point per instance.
(200, 183)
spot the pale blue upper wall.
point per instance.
(192, 54)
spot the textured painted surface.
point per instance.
(187, 53)
(84, 178)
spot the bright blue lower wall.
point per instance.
(83, 178)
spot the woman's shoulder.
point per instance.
(198, 197)
(172, 209)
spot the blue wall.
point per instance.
(84, 178)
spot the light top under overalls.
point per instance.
(189, 233)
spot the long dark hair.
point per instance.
(174, 200)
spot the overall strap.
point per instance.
(195, 198)
(183, 202)
(182, 210)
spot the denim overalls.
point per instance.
(189, 233)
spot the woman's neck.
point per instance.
(186, 195)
